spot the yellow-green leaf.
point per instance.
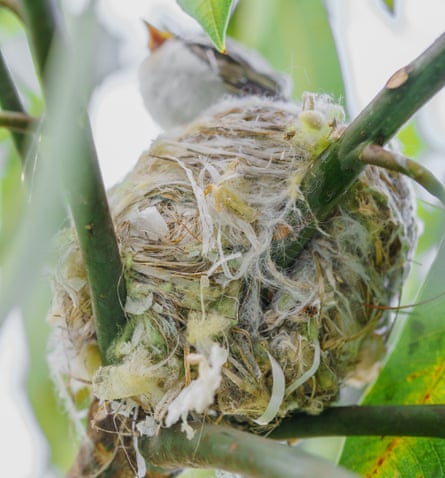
(413, 374)
(213, 16)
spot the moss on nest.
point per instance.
(214, 326)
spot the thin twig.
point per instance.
(14, 7)
(389, 420)
(378, 156)
(17, 122)
(81, 180)
(10, 100)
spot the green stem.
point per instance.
(336, 169)
(405, 92)
(80, 175)
(235, 451)
(390, 420)
(378, 156)
(16, 122)
(10, 100)
(42, 19)
(92, 219)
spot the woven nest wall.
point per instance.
(215, 327)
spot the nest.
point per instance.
(216, 328)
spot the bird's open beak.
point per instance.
(156, 37)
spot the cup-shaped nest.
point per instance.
(217, 327)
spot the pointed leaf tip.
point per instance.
(212, 15)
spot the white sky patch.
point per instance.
(122, 128)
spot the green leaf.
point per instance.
(213, 16)
(413, 374)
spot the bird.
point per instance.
(185, 75)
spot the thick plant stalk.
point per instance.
(97, 239)
(389, 420)
(335, 170)
(110, 451)
(228, 449)
(43, 21)
(81, 179)
(239, 452)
